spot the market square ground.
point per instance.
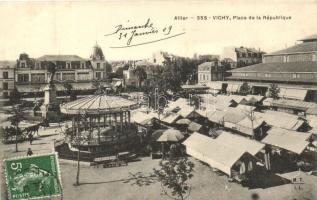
(111, 183)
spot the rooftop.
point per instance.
(299, 48)
(309, 38)
(60, 58)
(308, 66)
(7, 64)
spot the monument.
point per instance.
(50, 107)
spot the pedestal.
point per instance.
(50, 107)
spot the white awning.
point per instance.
(289, 140)
(291, 93)
(233, 87)
(214, 153)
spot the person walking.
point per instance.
(29, 152)
(30, 138)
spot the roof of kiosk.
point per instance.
(97, 104)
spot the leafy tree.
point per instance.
(172, 76)
(108, 68)
(15, 96)
(245, 89)
(119, 72)
(274, 91)
(79, 140)
(98, 86)
(141, 74)
(68, 88)
(173, 174)
(15, 120)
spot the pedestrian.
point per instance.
(30, 152)
(30, 138)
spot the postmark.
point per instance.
(33, 177)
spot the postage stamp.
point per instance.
(33, 177)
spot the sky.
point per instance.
(40, 28)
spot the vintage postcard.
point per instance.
(158, 100)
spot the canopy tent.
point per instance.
(254, 98)
(293, 104)
(268, 102)
(238, 142)
(143, 118)
(246, 107)
(292, 93)
(171, 135)
(170, 118)
(281, 119)
(194, 127)
(157, 134)
(247, 126)
(312, 110)
(186, 111)
(97, 104)
(289, 140)
(179, 103)
(183, 121)
(214, 85)
(212, 152)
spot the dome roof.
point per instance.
(97, 53)
(97, 104)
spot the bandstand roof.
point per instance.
(97, 104)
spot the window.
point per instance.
(83, 76)
(242, 168)
(5, 85)
(5, 75)
(68, 65)
(37, 65)
(83, 65)
(5, 95)
(296, 76)
(98, 75)
(23, 64)
(98, 65)
(250, 166)
(267, 75)
(68, 76)
(23, 78)
(38, 78)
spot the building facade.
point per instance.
(242, 56)
(6, 78)
(210, 71)
(31, 74)
(293, 67)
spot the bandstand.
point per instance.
(100, 125)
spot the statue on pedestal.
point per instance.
(50, 107)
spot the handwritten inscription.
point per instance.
(129, 33)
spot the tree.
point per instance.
(79, 140)
(173, 174)
(172, 76)
(15, 119)
(68, 88)
(245, 89)
(98, 86)
(15, 96)
(119, 72)
(274, 91)
(141, 74)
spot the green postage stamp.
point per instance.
(33, 177)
